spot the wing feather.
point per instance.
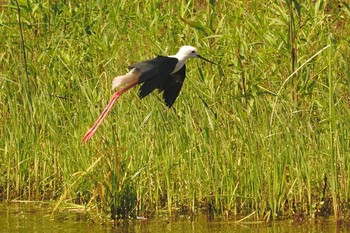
(154, 73)
(173, 86)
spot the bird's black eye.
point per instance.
(193, 51)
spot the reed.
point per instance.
(235, 142)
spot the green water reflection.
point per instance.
(37, 218)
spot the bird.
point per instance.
(165, 73)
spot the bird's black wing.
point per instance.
(154, 73)
(173, 86)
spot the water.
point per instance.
(37, 218)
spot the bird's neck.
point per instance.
(180, 63)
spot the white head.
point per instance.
(184, 53)
(187, 52)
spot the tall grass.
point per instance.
(265, 133)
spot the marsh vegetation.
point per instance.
(265, 133)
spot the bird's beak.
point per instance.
(199, 56)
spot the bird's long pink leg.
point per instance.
(109, 106)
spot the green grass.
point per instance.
(267, 132)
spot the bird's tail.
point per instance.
(132, 76)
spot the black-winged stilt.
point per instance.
(165, 73)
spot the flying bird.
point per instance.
(165, 73)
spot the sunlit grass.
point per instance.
(260, 133)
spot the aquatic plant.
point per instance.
(266, 132)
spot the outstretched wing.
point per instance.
(154, 73)
(173, 86)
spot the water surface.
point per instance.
(38, 218)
